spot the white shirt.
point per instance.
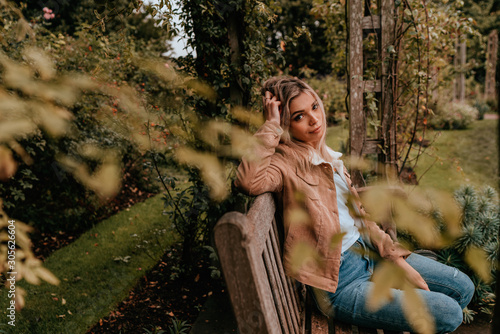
(348, 224)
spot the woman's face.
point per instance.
(306, 120)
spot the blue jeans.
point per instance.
(451, 291)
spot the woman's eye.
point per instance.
(315, 106)
(298, 117)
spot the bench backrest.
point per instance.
(264, 299)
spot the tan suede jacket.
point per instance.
(273, 170)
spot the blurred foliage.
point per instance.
(482, 108)
(476, 251)
(467, 239)
(453, 116)
(73, 125)
(107, 119)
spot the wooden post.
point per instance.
(385, 143)
(491, 64)
(459, 62)
(357, 126)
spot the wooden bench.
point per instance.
(264, 299)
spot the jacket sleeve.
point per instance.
(259, 172)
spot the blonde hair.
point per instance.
(286, 89)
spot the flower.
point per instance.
(48, 15)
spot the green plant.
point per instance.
(179, 327)
(480, 226)
(482, 108)
(155, 330)
(454, 115)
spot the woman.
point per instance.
(293, 161)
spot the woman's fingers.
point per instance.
(271, 107)
(412, 275)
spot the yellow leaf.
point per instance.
(298, 216)
(53, 119)
(212, 131)
(48, 277)
(105, 181)
(337, 239)
(212, 171)
(450, 211)
(248, 117)
(476, 258)
(302, 255)
(16, 129)
(23, 28)
(378, 203)
(20, 293)
(423, 228)
(387, 276)
(416, 311)
(8, 165)
(41, 62)
(202, 89)
(354, 162)
(242, 143)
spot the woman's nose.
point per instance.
(314, 119)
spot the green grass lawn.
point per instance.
(93, 277)
(456, 158)
(461, 157)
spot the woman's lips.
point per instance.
(316, 130)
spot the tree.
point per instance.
(300, 34)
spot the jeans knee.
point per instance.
(467, 290)
(449, 322)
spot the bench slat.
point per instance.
(277, 290)
(291, 301)
(342, 328)
(261, 214)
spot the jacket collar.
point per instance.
(316, 160)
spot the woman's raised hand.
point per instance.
(271, 107)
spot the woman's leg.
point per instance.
(451, 290)
(444, 279)
(350, 306)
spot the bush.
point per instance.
(105, 117)
(480, 225)
(493, 104)
(453, 116)
(482, 107)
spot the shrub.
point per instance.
(453, 116)
(482, 107)
(480, 226)
(493, 104)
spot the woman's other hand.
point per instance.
(271, 107)
(412, 275)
